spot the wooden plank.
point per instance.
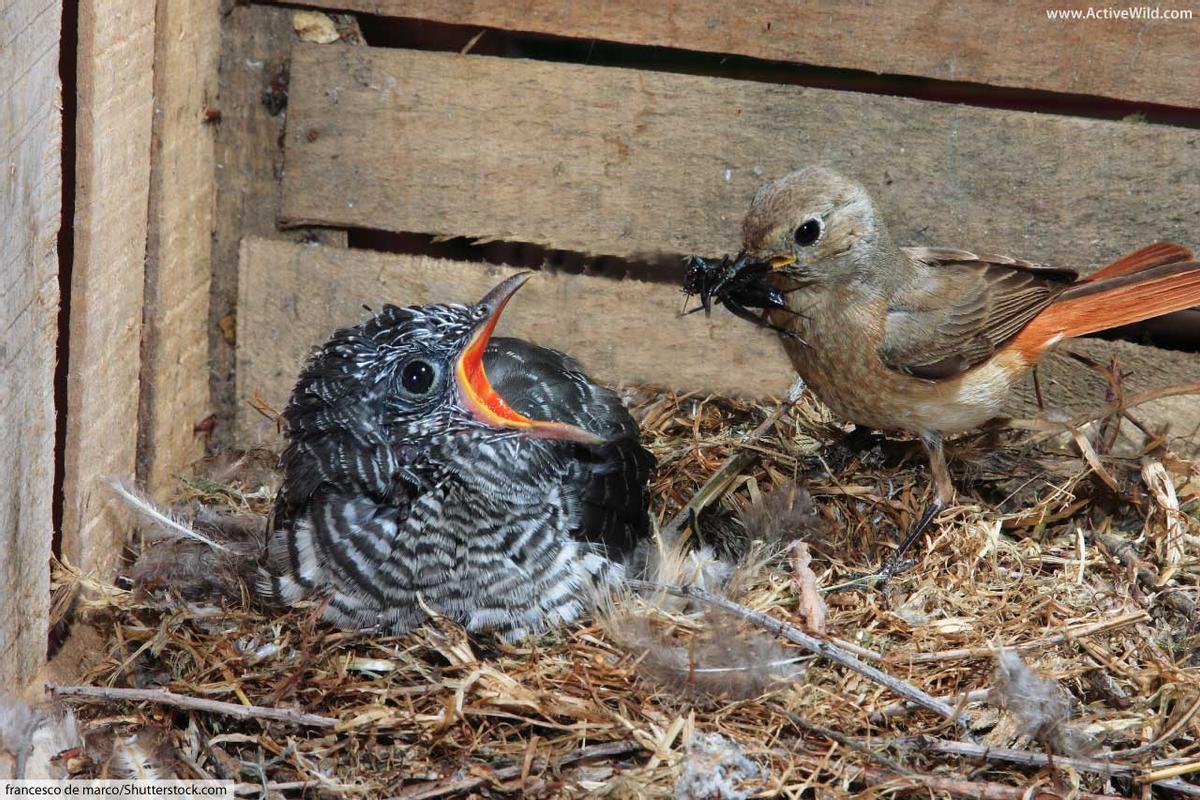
(115, 91)
(622, 162)
(1016, 44)
(174, 379)
(30, 145)
(293, 296)
(255, 56)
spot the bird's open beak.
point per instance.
(476, 392)
(779, 262)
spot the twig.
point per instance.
(857, 649)
(975, 790)
(847, 741)
(811, 643)
(1079, 631)
(736, 462)
(1025, 758)
(167, 698)
(1031, 759)
(1116, 407)
(1093, 460)
(1167, 735)
(905, 708)
(326, 787)
(1125, 552)
(1137, 400)
(1170, 772)
(459, 785)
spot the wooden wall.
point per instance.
(136, 355)
(30, 205)
(115, 111)
(621, 162)
(174, 387)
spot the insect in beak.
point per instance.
(731, 272)
(476, 392)
(740, 285)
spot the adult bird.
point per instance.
(433, 468)
(923, 340)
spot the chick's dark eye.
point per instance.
(417, 377)
(808, 232)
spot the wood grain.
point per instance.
(625, 332)
(255, 60)
(623, 162)
(174, 379)
(1015, 44)
(30, 144)
(115, 91)
(292, 297)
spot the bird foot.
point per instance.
(914, 533)
(897, 564)
(879, 577)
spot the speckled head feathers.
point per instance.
(813, 217)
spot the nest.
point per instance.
(1054, 606)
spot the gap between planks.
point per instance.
(975, 41)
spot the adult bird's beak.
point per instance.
(476, 392)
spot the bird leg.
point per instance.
(943, 494)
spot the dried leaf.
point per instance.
(1169, 538)
(812, 605)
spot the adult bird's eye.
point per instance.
(417, 377)
(808, 233)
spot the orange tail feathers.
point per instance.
(1154, 255)
(1122, 297)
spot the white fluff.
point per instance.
(136, 758)
(30, 738)
(716, 769)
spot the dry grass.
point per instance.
(1041, 555)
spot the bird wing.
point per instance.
(961, 307)
(335, 447)
(609, 480)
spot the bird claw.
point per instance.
(879, 577)
(897, 564)
(895, 567)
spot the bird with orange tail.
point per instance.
(928, 341)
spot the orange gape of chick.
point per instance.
(930, 340)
